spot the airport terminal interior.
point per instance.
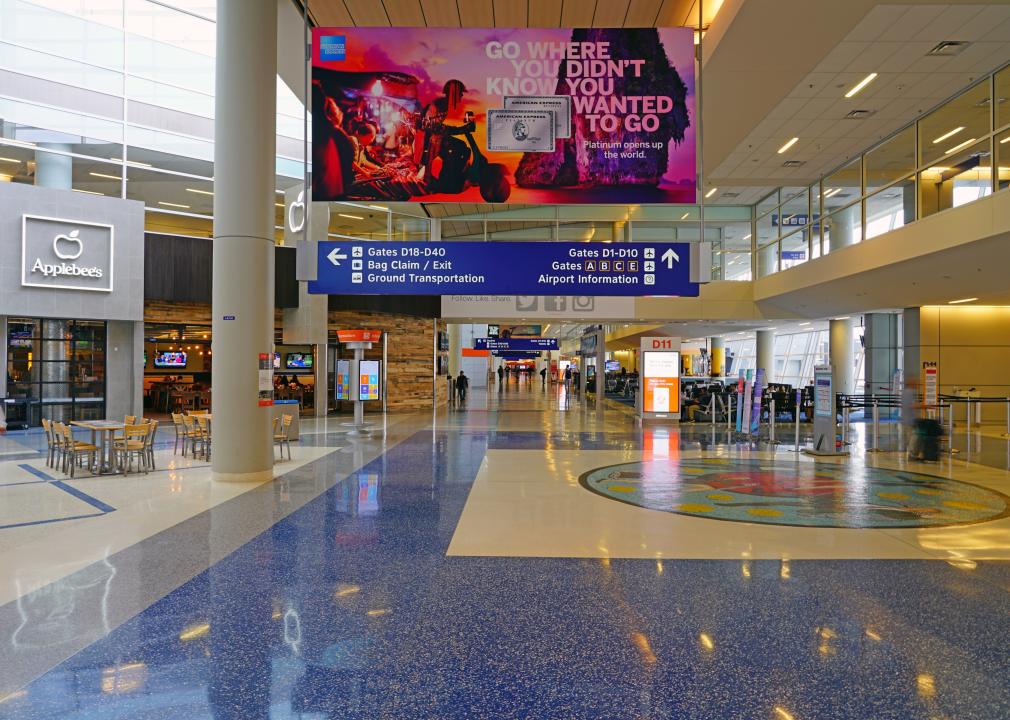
(519, 359)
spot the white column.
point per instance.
(841, 357)
(845, 227)
(244, 169)
(52, 170)
(765, 353)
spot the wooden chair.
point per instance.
(203, 427)
(75, 450)
(53, 445)
(152, 430)
(132, 443)
(194, 436)
(282, 435)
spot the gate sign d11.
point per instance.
(515, 344)
(504, 268)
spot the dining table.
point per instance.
(102, 432)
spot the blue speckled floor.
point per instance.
(349, 608)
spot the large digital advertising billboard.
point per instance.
(529, 115)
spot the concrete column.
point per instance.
(54, 171)
(845, 227)
(911, 343)
(125, 369)
(765, 353)
(718, 346)
(908, 202)
(244, 167)
(840, 355)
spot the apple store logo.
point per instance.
(66, 254)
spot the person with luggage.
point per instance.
(462, 383)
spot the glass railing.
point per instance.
(952, 156)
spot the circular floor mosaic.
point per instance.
(802, 494)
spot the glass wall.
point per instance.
(942, 161)
(55, 370)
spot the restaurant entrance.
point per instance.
(55, 370)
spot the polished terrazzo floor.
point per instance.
(335, 592)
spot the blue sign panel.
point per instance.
(515, 355)
(523, 344)
(503, 268)
(794, 254)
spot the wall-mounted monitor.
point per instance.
(613, 365)
(368, 380)
(170, 359)
(277, 361)
(298, 361)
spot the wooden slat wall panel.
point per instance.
(475, 13)
(677, 13)
(367, 13)
(405, 13)
(509, 14)
(440, 13)
(643, 13)
(610, 14)
(545, 13)
(578, 13)
(330, 13)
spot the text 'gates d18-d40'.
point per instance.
(504, 268)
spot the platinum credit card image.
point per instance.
(520, 131)
(560, 105)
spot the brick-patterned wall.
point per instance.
(411, 341)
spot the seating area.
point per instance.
(119, 446)
(193, 434)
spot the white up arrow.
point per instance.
(668, 257)
(336, 256)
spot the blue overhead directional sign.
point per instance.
(528, 344)
(504, 268)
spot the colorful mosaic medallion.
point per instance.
(803, 494)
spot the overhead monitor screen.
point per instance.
(298, 361)
(170, 360)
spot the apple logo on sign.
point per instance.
(71, 238)
(297, 204)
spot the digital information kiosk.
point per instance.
(658, 395)
(358, 380)
(825, 419)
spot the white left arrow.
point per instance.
(668, 257)
(336, 256)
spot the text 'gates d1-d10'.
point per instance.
(526, 115)
(504, 268)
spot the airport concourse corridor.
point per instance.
(517, 557)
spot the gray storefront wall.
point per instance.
(94, 271)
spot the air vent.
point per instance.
(731, 194)
(985, 102)
(794, 163)
(859, 114)
(948, 48)
(841, 195)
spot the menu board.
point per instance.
(343, 380)
(661, 382)
(368, 380)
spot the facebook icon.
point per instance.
(333, 47)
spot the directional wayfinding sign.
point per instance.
(504, 268)
(516, 344)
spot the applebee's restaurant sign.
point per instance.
(66, 254)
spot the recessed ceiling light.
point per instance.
(89, 192)
(861, 84)
(172, 204)
(1006, 139)
(684, 216)
(788, 145)
(803, 324)
(957, 147)
(379, 207)
(199, 192)
(711, 192)
(280, 205)
(10, 160)
(103, 175)
(946, 135)
(831, 192)
(962, 300)
(846, 317)
(350, 217)
(747, 236)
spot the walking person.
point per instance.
(543, 378)
(462, 383)
(568, 379)
(501, 374)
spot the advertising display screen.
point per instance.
(170, 360)
(368, 380)
(661, 382)
(527, 115)
(342, 380)
(298, 361)
(823, 401)
(277, 361)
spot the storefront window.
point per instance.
(55, 370)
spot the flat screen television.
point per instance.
(277, 361)
(298, 361)
(613, 365)
(170, 360)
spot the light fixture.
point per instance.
(89, 192)
(842, 318)
(103, 175)
(957, 147)
(10, 160)
(379, 207)
(747, 236)
(684, 216)
(861, 84)
(19, 143)
(1006, 139)
(350, 217)
(946, 135)
(199, 192)
(172, 204)
(788, 145)
(711, 192)
(280, 205)
(832, 192)
(802, 324)
(962, 300)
